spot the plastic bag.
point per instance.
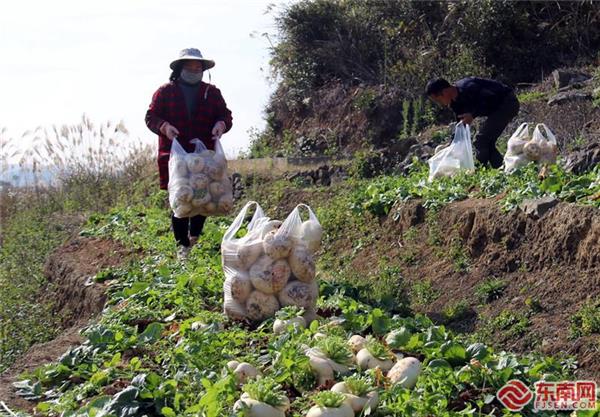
(544, 143)
(522, 148)
(515, 157)
(457, 156)
(271, 266)
(198, 181)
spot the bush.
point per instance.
(408, 42)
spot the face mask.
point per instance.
(191, 77)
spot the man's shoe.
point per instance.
(182, 252)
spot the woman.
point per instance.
(186, 108)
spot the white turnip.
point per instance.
(269, 276)
(277, 245)
(302, 264)
(260, 306)
(299, 294)
(405, 372)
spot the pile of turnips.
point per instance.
(346, 374)
(271, 266)
(523, 148)
(198, 181)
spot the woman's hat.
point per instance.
(192, 54)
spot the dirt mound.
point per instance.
(70, 271)
(549, 266)
(336, 120)
(36, 356)
(77, 298)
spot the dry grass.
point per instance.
(72, 171)
(86, 165)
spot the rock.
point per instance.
(565, 78)
(401, 147)
(564, 97)
(582, 160)
(537, 207)
(237, 185)
(320, 176)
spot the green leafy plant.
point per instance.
(459, 256)
(423, 293)
(456, 310)
(587, 319)
(531, 96)
(378, 349)
(336, 349)
(489, 290)
(265, 390)
(289, 312)
(358, 386)
(328, 399)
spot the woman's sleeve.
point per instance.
(222, 112)
(155, 113)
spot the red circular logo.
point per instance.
(514, 395)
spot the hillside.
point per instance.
(483, 277)
(479, 273)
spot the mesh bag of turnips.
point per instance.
(198, 181)
(272, 265)
(523, 147)
(454, 158)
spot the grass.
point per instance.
(509, 323)
(39, 217)
(422, 293)
(531, 96)
(490, 290)
(587, 320)
(456, 311)
(459, 255)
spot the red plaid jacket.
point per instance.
(168, 104)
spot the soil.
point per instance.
(77, 299)
(550, 265)
(349, 118)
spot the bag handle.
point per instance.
(311, 214)
(219, 148)
(237, 222)
(176, 148)
(294, 219)
(520, 129)
(462, 135)
(461, 132)
(199, 146)
(549, 135)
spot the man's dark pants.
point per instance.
(491, 129)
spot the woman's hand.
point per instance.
(169, 130)
(218, 130)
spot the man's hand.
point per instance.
(467, 118)
(218, 130)
(169, 130)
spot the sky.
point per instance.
(60, 59)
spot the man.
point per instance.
(475, 97)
